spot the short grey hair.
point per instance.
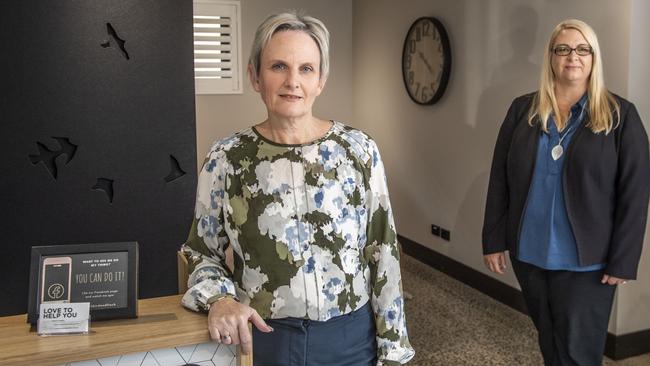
(295, 21)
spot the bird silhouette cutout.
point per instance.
(48, 157)
(176, 171)
(119, 42)
(105, 185)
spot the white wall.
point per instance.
(221, 115)
(438, 157)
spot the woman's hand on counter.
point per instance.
(228, 323)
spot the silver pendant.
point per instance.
(557, 152)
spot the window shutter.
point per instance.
(217, 47)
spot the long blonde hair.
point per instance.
(601, 104)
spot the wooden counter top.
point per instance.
(162, 323)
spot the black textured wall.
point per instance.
(97, 133)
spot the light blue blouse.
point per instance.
(546, 239)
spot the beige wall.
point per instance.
(438, 157)
(634, 297)
(221, 115)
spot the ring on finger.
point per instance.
(225, 337)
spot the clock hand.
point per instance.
(425, 62)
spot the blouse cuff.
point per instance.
(393, 353)
(198, 297)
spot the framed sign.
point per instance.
(103, 274)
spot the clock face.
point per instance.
(426, 60)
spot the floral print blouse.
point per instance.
(311, 228)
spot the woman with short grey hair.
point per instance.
(303, 202)
(292, 21)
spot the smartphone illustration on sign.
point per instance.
(56, 279)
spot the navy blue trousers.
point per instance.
(346, 340)
(570, 311)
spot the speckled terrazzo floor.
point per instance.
(452, 324)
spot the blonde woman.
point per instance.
(568, 197)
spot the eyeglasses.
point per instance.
(565, 50)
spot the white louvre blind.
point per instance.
(217, 47)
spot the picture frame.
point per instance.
(103, 274)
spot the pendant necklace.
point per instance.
(558, 150)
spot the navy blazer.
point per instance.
(606, 183)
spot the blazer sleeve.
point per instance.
(632, 193)
(497, 202)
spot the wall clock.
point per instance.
(426, 60)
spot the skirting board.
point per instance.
(616, 348)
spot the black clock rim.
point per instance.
(446, 65)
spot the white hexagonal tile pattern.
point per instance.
(203, 354)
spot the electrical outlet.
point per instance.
(445, 234)
(435, 230)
